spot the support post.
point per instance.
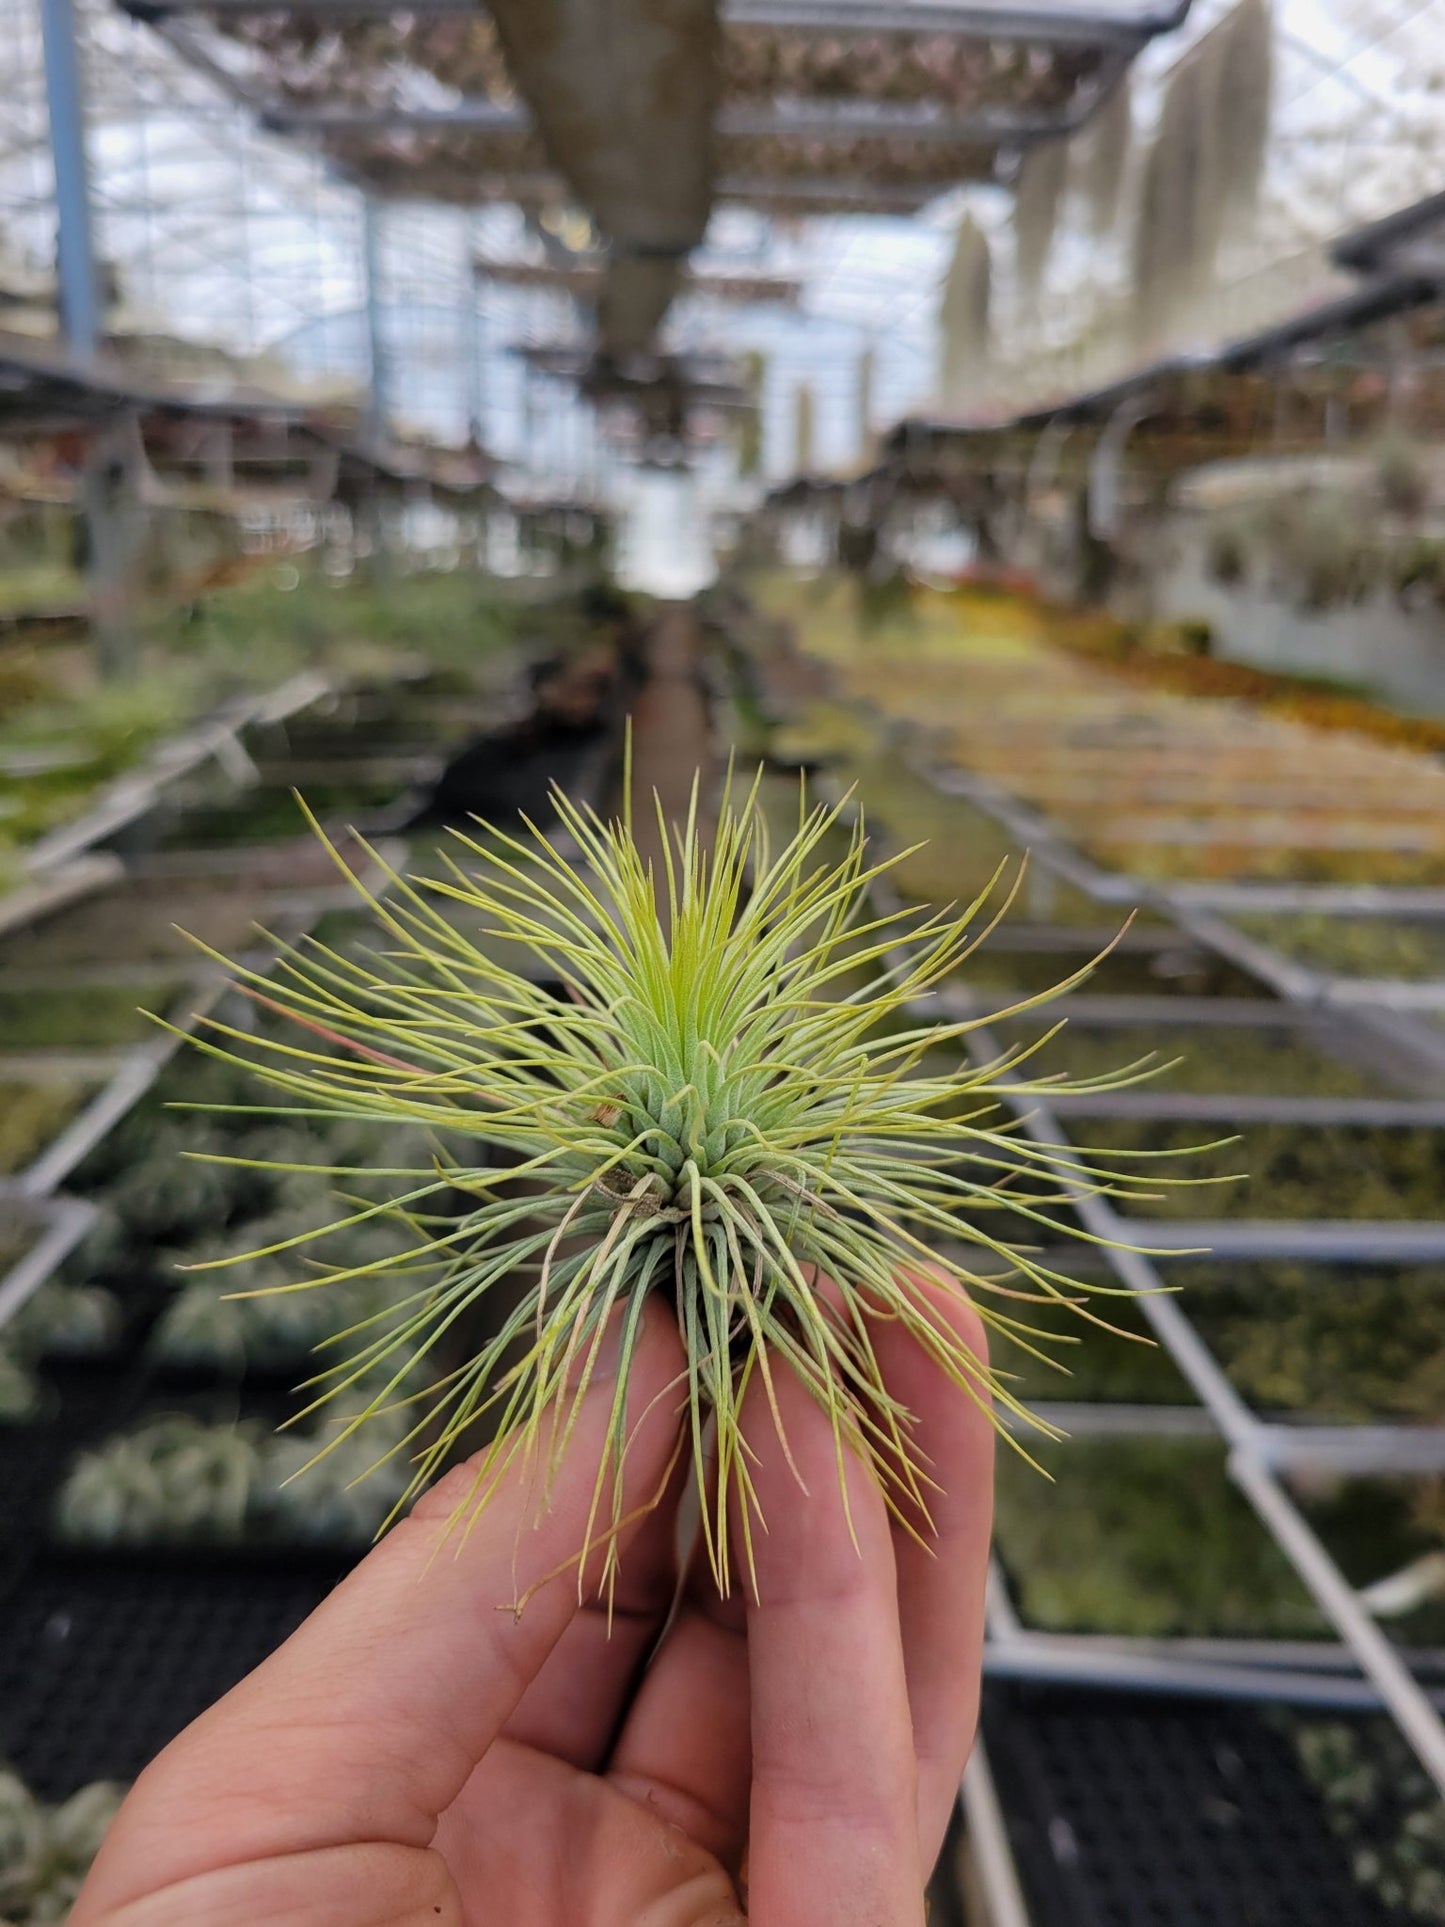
(473, 339)
(380, 409)
(82, 324)
(378, 414)
(79, 285)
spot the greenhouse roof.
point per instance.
(792, 106)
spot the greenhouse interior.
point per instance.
(854, 546)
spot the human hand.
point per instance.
(418, 1754)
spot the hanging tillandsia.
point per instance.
(1038, 199)
(964, 317)
(803, 416)
(720, 1094)
(750, 416)
(1100, 157)
(1244, 95)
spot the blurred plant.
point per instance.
(1226, 556)
(1402, 477)
(719, 1104)
(1202, 174)
(1178, 221)
(1381, 1806)
(1334, 1171)
(173, 1479)
(19, 1389)
(66, 1321)
(30, 1116)
(1144, 1537)
(177, 1480)
(1244, 95)
(1038, 198)
(803, 422)
(46, 1851)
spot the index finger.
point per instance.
(833, 1833)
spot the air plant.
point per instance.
(1245, 94)
(719, 1094)
(1100, 157)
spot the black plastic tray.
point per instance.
(100, 1666)
(1131, 1812)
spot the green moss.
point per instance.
(1338, 1342)
(31, 1115)
(963, 847)
(1276, 862)
(1285, 1171)
(1355, 946)
(1211, 1060)
(1145, 1539)
(95, 1017)
(270, 813)
(1102, 1368)
(1183, 970)
(122, 926)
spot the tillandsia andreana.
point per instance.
(720, 1093)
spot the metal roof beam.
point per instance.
(804, 193)
(1054, 24)
(833, 120)
(982, 20)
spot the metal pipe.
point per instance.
(973, 19)
(1030, 1658)
(811, 120)
(80, 304)
(988, 1839)
(379, 412)
(1371, 1241)
(1196, 1107)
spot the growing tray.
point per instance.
(102, 1665)
(1143, 1537)
(1124, 1812)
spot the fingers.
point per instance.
(685, 1749)
(685, 1752)
(941, 1585)
(367, 1722)
(834, 1830)
(572, 1708)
